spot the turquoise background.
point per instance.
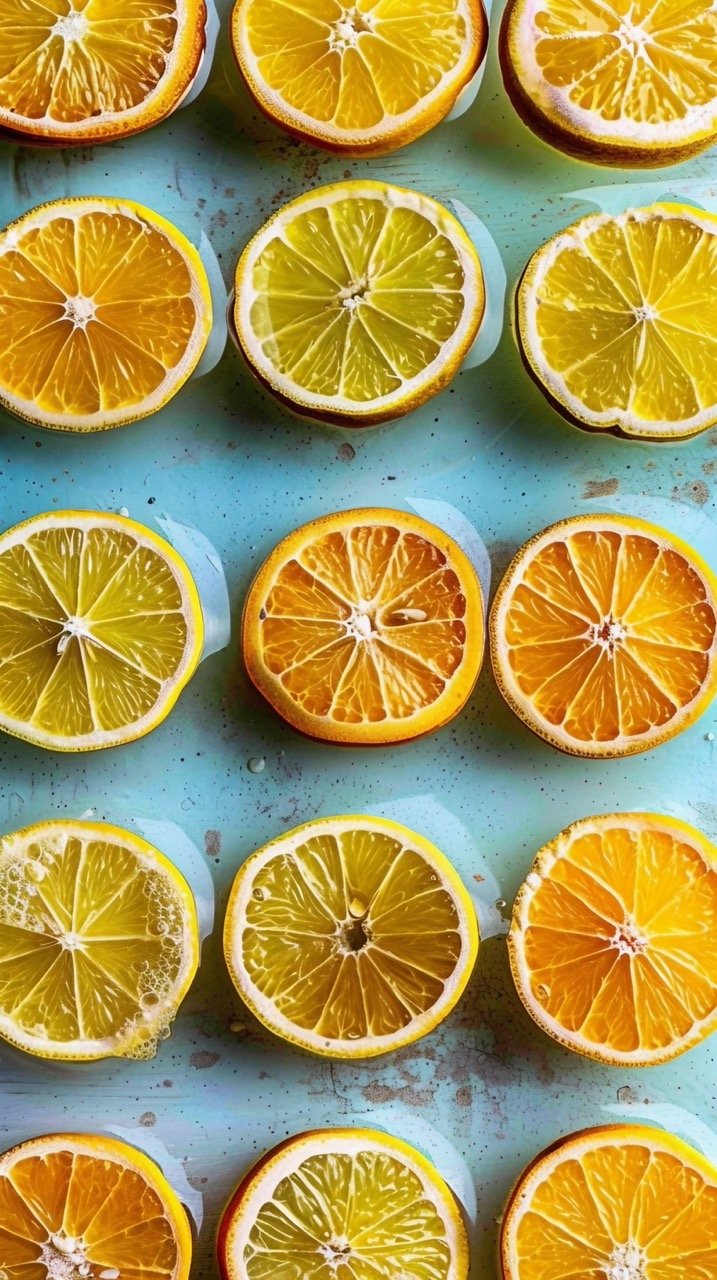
(226, 458)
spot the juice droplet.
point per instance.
(358, 907)
(257, 764)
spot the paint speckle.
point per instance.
(346, 452)
(212, 842)
(202, 1060)
(408, 1093)
(627, 1094)
(696, 491)
(601, 488)
(147, 1119)
(464, 1095)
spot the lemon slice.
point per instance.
(609, 943)
(350, 1202)
(617, 321)
(85, 1205)
(101, 630)
(98, 941)
(604, 635)
(350, 936)
(357, 302)
(623, 1202)
(85, 71)
(365, 627)
(106, 309)
(359, 78)
(614, 83)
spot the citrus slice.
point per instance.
(617, 321)
(84, 71)
(101, 630)
(603, 635)
(359, 78)
(623, 1202)
(357, 302)
(83, 1204)
(98, 941)
(107, 310)
(613, 940)
(365, 627)
(614, 83)
(344, 1202)
(350, 936)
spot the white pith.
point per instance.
(554, 102)
(263, 1182)
(522, 704)
(170, 89)
(539, 267)
(266, 1009)
(626, 940)
(346, 34)
(191, 610)
(81, 310)
(392, 197)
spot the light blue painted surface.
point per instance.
(226, 458)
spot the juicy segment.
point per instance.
(96, 942)
(614, 1202)
(97, 630)
(619, 320)
(104, 312)
(608, 635)
(612, 944)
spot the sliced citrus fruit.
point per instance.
(365, 627)
(615, 83)
(101, 630)
(620, 1202)
(98, 941)
(350, 936)
(83, 1204)
(359, 78)
(344, 1202)
(107, 310)
(84, 71)
(604, 635)
(613, 943)
(617, 321)
(358, 302)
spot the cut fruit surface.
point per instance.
(98, 941)
(614, 83)
(613, 943)
(624, 1202)
(360, 78)
(344, 1202)
(358, 302)
(617, 321)
(350, 936)
(604, 635)
(102, 629)
(84, 71)
(82, 1204)
(106, 310)
(365, 627)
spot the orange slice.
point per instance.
(106, 309)
(604, 635)
(76, 1205)
(613, 943)
(621, 1202)
(365, 627)
(359, 78)
(84, 71)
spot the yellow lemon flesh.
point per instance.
(350, 936)
(106, 310)
(358, 302)
(617, 322)
(85, 71)
(360, 78)
(348, 1201)
(101, 630)
(98, 941)
(611, 82)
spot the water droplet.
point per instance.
(709, 737)
(35, 871)
(257, 764)
(500, 904)
(260, 894)
(354, 1035)
(149, 1000)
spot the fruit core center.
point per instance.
(71, 27)
(609, 634)
(626, 1263)
(354, 293)
(336, 1252)
(80, 310)
(63, 1258)
(628, 940)
(354, 933)
(362, 622)
(646, 312)
(633, 35)
(72, 626)
(348, 28)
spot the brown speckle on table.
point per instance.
(203, 1059)
(600, 488)
(212, 842)
(147, 1119)
(695, 491)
